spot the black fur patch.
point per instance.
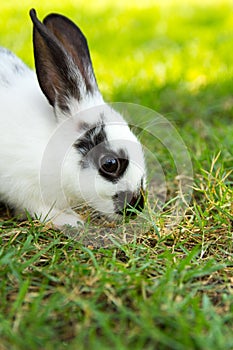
(91, 138)
(124, 202)
(93, 145)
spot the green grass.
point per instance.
(171, 288)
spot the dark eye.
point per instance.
(109, 164)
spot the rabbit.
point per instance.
(61, 145)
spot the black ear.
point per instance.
(62, 60)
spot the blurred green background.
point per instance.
(141, 46)
(176, 58)
(172, 56)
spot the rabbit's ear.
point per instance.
(62, 60)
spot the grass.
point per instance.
(170, 288)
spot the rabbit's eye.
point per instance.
(109, 164)
(112, 166)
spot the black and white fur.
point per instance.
(28, 124)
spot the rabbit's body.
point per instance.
(49, 158)
(27, 121)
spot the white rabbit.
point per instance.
(60, 144)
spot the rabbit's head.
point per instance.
(107, 159)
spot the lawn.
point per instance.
(171, 287)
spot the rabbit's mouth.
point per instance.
(129, 204)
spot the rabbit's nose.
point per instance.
(128, 203)
(137, 203)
